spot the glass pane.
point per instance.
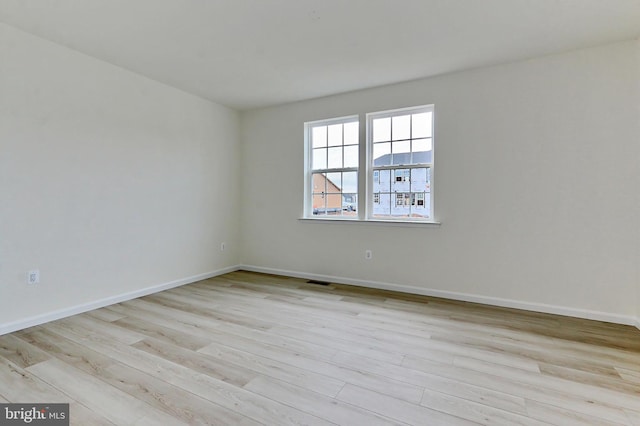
(351, 133)
(318, 182)
(351, 156)
(381, 153)
(400, 126)
(421, 145)
(350, 182)
(382, 129)
(334, 204)
(402, 152)
(319, 158)
(400, 180)
(335, 135)
(383, 183)
(349, 204)
(318, 203)
(335, 158)
(319, 136)
(334, 182)
(421, 125)
(419, 180)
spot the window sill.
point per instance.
(374, 222)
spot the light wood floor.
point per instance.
(252, 349)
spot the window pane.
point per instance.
(349, 204)
(421, 145)
(400, 180)
(319, 158)
(421, 125)
(383, 183)
(335, 158)
(382, 129)
(401, 152)
(319, 136)
(351, 156)
(419, 180)
(381, 153)
(403, 146)
(351, 133)
(400, 127)
(335, 135)
(319, 206)
(334, 204)
(334, 182)
(318, 182)
(350, 182)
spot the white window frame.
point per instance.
(308, 175)
(369, 170)
(365, 169)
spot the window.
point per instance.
(334, 148)
(401, 143)
(396, 175)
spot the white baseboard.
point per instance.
(78, 309)
(495, 301)
(507, 303)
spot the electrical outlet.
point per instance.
(33, 277)
(368, 254)
(223, 246)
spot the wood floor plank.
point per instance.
(165, 334)
(79, 356)
(109, 402)
(621, 397)
(20, 386)
(563, 417)
(196, 361)
(316, 404)
(634, 417)
(586, 404)
(20, 352)
(104, 314)
(92, 325)
(372, 381)
(629, 375)
(501, 400)
(249, 349)
(255, 407)
(278, 370)
(481, 413)
(396, 409)
(221, 332)
(180, 404)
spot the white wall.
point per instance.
(109, 182)
(535, 184)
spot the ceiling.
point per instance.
(252, 53)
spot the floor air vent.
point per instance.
(318, 282)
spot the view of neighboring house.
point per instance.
(329, 199)
(397, 192)
(402, 192)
